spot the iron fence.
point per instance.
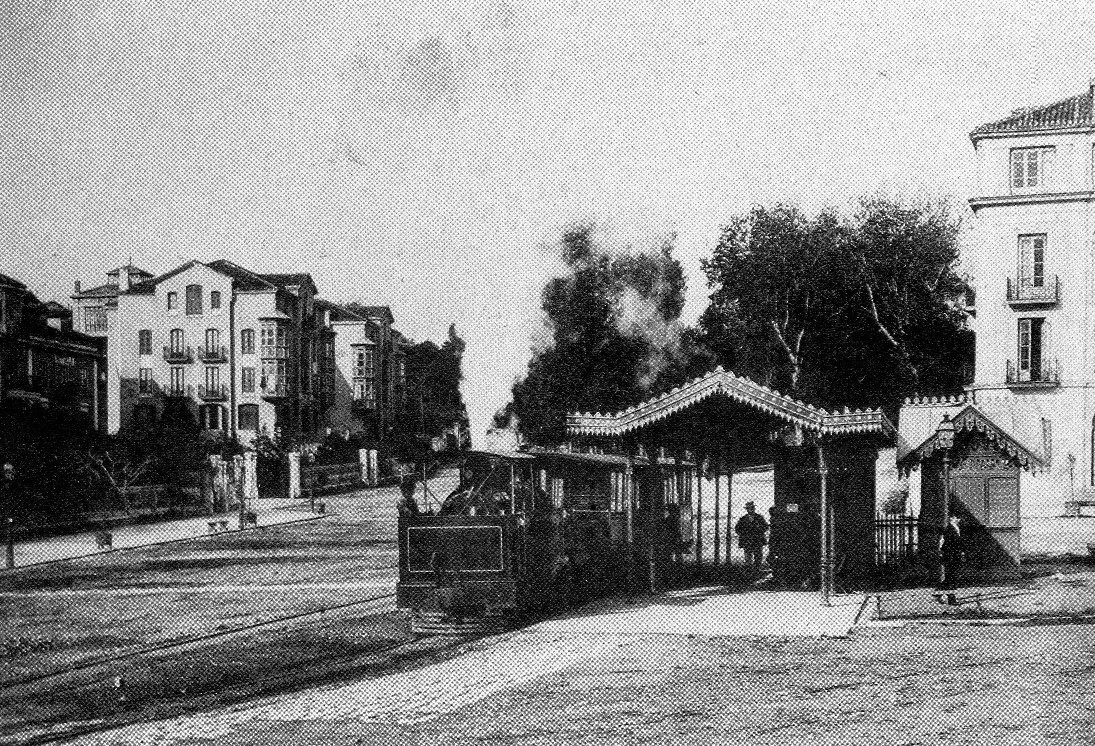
(896, 539)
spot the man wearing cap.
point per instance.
(751, 529)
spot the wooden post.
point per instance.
(699, 514)
(729, 513)
(824, 563)
(718, 497)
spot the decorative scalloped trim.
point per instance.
(740, 389)
(972, 419)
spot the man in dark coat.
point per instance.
(951, 554)
(751, 529)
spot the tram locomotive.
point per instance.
(528, 532)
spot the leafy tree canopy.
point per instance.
(856, 310)
(613, 322)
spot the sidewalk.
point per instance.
(270, 511)
(1065, 594)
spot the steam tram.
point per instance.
(541, 530)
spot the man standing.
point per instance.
(751, 529)
(951, 548)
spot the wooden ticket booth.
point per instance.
(971, 465)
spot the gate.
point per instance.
(896, 539)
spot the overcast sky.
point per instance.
(419, 154)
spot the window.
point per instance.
(365, 391)
(212, 341)
(94, 320)
(172, 301)
(214, 299)
(1032, 261)
(212, 379)
(178, 380)
(275, 341)
(210, 417)
(144, 341)
(247, 341)
(1030, 349)
(144, 381)
(274, 375)
(1030, 167)
(249, 417)
(364, 362)
(247, 380)
(175, 339)
(193, 300)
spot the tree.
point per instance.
(615, 335)
(856, 310)
(433, 403)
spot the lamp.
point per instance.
(944, 434)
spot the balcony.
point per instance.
(213, 393)
(1047, 375)
(213, 354)
(1023, 292)
(177, 354)
(274, 391)
(178, 392)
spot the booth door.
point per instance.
(991, 523)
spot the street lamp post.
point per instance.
(944, 439)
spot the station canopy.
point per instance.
(725, 414)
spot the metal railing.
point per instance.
(213, 354)
(178, 392)
(896, 539)
(1046, 374)
(1024, 290)
(274, 390)
(217, 393)
(177, 354)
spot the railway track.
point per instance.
(190, 641)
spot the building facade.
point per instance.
(242, 351)
(44, 363)
(1032, 255)
(369, 369)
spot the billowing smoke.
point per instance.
(636, 315)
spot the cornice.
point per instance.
(1004, 200)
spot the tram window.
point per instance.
(587, 491)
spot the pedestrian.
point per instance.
(751, 529)
(951, 554)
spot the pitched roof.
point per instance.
(149, 286)
(109, 290)
(11, 282)
(737, 388)
(380, 311)
(1069, 113)
(341, 313)
(291, 278)
(1008, 425)
(133, 270)
(243, 279)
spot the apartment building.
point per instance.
(242, 351)
(1032, 255)
(369, 369)
(44, 363)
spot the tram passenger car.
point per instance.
(538, 530)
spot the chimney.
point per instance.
(77, 287)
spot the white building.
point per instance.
(1032, 256)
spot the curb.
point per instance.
(1033, 621)
(165, 541)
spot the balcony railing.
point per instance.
(148, 388)
(178, 392)
(1046, 375)
(1024, 291)
(213, 354)
(363, 404)
(274, 391)
(177, 354)
(213, 393)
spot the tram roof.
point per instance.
(720, 382)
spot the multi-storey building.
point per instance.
(243, 351)
(1032, 254)
(94, 307)
(369, 369)
(44, 362)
